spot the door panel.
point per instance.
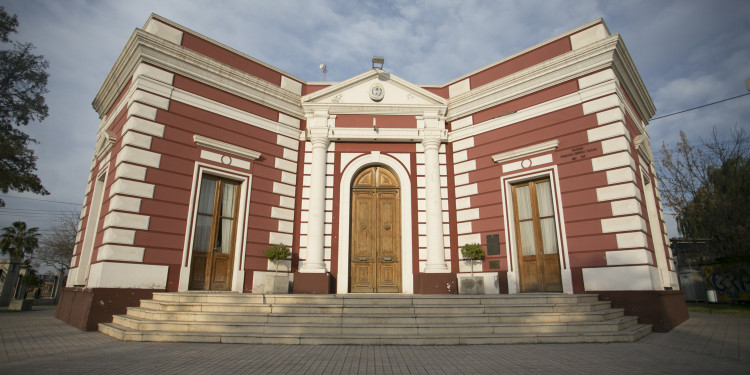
(536, 237)
(375, 232)
(363, 246)
(214, 235)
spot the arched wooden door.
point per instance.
(375, 251)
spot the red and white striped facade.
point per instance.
(178, 106)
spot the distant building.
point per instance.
(205, 157)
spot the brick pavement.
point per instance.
(37, 343)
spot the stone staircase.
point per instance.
(374, 319)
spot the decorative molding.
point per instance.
(104, 143)
(526, 151)
(643, 145)
(225, 147)
(146, 47)
(606, 53)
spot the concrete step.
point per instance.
(411, 328)
(121, 333)
(370, 299)
(371, 319)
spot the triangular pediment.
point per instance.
(354, 96)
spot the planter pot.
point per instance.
(276, 284)
(21, 304)
(471, 285)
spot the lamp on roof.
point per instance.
(377, 62)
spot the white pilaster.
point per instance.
(314, 262)
(433, 205)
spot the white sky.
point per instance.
(688, 53)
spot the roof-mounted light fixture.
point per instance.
(377, 62)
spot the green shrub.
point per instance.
(472, 251)
(276, 253)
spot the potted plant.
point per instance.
(276, 284)
(472, 285)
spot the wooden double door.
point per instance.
(536, 237)
(375, 251)
(214, 235)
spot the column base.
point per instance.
(663, 309)
(313, 283)
(435, 283)
(85, 308)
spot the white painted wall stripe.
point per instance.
(282, 213)
(631, 239)
(284, 189)
(122, 253)
(623, 224)
(600, 104)
(142, 110)
(136, 139)
(287, 142)
(138, 156)
(123, 203)
(285, 165)
(138, 189)
(609, 193)
(611, 115)
(126, 220)
(616, 129)
(144, 126)
(459, 88)
(626, 207)
(466, 190)
(134, 172)
(616, 176)
(612, 161)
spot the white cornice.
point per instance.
(225, 147)
(541, 76)
(579, 97)
(145, 47)
(609, 52)
(383, 135)
(526, 151)
(527, 50)
(223, 46)
(200, 102)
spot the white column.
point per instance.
(316, 224)
(433, 204)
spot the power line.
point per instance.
(701, 106)
(43, 200)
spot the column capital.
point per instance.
(432, 138)
(318, 137)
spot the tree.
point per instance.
(56, 246)
(16, 241)
(23, 83)
(708, 188)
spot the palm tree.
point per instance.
(16, 241)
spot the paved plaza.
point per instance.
(36, 343)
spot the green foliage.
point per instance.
(472, 251)
(276, 253)
(23, 83)
(17, 240)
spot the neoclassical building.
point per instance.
(205, 157)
